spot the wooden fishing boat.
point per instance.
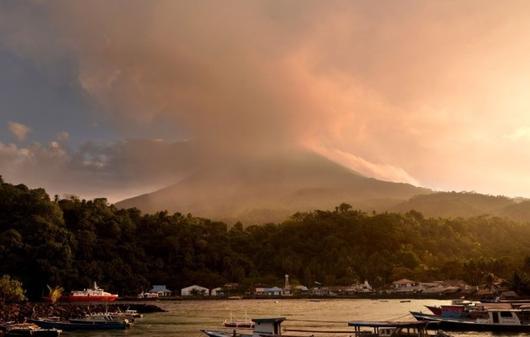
(28, 329)
(396, 329)
(504, 320)
(262, 327)
(457, 308)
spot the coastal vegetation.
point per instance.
(71, 242)
(10, 290)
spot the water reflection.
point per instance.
(187, 318)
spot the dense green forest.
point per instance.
(72, 242)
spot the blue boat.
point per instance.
(106, 323)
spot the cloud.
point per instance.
(121, 169)
(520, 134)
(62, 136)
(19, 130)
(420, 91)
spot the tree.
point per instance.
(343, 208)
(55, 294)
(11, 290)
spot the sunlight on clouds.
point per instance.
(521, 133)
(423, 92)
(19, 130)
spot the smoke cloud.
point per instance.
(414, 91)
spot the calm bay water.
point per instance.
(187, 318)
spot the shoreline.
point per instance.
(20, 312)
(300, 297)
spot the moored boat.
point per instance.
(395, 329)
(516, 320)
(262, 327)
(128, 314)
(235, 297)
(457, 309)
(28, 329)
(95, 294)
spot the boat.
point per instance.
(457, 308)
(148, 295)
(130, 315)
(396, 329)
(28, 329)
(243, 323)
(95, 294)
(512, 320)
(436, 310)
(262, 327)
(86, 323)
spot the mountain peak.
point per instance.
(270, 189)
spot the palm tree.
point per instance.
(55, 293)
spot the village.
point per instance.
(403, 288)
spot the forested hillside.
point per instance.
(467, 204)
(73, 242)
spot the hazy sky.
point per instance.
(97, 97)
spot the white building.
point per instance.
(160, 290)
(405, 286)
(194, 290)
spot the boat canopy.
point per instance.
(379, 324)
(269, 320)
(268, 326)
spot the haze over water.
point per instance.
(187, 318)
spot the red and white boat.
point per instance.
(94, 294)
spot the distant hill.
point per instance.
(269, 190)
(466, 204)
(519, 211)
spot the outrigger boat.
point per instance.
(513, 320)
(271, 327)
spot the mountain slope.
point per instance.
(262, 190)
(466, 204)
